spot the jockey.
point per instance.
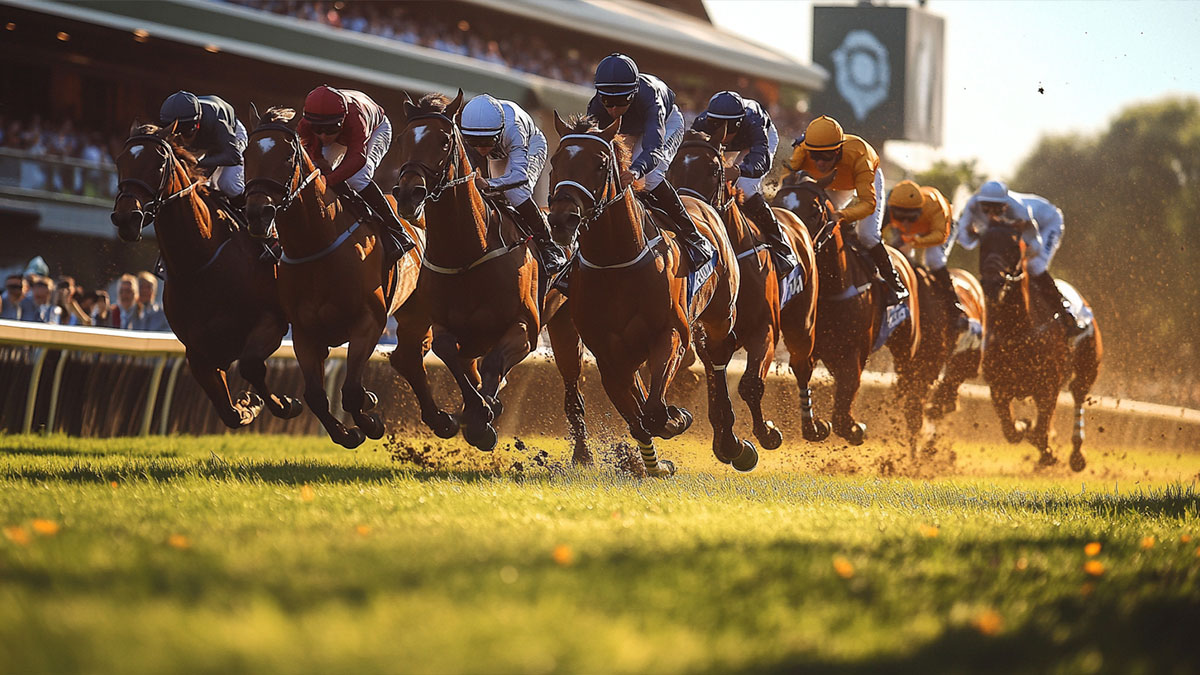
(825, 148)
(747, 128)
(208, 125)
(501, 131)
(921, 217)
(647, 110)
(1041, 226)
(346, 125)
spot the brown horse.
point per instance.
(850, 312)
(220, 300)
(699, 170)
(964, 352)
(333, 284)
(480, 286)
(1027, 353)
(630, 298)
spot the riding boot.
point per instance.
(757, 209)
(398, 243)
(699, 249)
(533, 223)
(894, 290)
(959, 322)
(1052, 295)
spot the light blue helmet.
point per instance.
(617, 75)
(482, 117)
(993, 191)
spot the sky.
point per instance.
(1092, 58)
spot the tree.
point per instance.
(947, 177)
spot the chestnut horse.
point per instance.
(850, 313)
(333, 284)
(699, 171)
(964, 351)
(630, 297)
(1027, 353)
(479, 288)
(219, 299)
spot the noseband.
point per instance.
(451, 160)
(168, 169)
(612, 179)
(262, 184)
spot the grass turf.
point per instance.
(267, 554)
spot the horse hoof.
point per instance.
(1078, 460)
(818, 431)
(665, 469)
(582, 457)
(443, 424)
(934, 412)
(854, 434)
(483, 437)
(746, 461)
(1047, 459)
(289, 407)
(251, 400)
(772, 439)
(354, 437)
(497, 407)
(369, 402)
(682, 414)
(373, 427)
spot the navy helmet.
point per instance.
(617, 75)
(726, 105)
(182, 107)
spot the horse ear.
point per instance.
(452, 109)
(134, 127)
(254, 113)
(560, 126)
(612, 130)
(409, 109)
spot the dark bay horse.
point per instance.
(699, 171)
(333, 285)
(479, 288)
(629, 293)
(1027, 353)
(220, 300)
(964, 352)
(850, 314)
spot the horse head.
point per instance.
(804, 195)
(584, 175)
(276, 169)
(1001, 266)
(434, 152)
(699, 169)
(150, 174)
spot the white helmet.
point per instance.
(482, 116)
(993, 191)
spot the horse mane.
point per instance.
(583, 123)
(433, 103)
(184, 155)
(277, 115)
(697, 135)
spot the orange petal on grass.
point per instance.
(928, 531)
(307, 494)
(1022, 563)
(179, 541)
(46, 528)
(1185, 538)
(843, 567)
(363, 530)
(1148, 542)
(563, 555)
(1094, 567)
(1092, 549)
(113, 485)
(988, 622)
(17, 535)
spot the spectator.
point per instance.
(150, 313)
(15, 289)
(124, 312)
(98, 307)
(44, 310)
(72, 313)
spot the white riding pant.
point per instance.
(377, 146)
(869, 229)
(231, 180)
(535, 161)
(1051, 232)
(672, 139)
(753, 186)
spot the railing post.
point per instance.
(35, 377)
(54, 388)
(152, 396)
(169, 397)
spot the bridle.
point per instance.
(150, 208)
(295, 184)
(453, 159)
(722, 198)
(596, 200)
(825, 233)
(995, 262)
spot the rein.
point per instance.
(290, 194)
(613, 179)
(443, 170)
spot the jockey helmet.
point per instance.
(184, 107)
(824, 133)
(482, 120)
(617, 75)
(993, 191)
(906, 195)
(325, 106)
(726, 105)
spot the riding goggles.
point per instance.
(617, 101)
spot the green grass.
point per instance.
(291, 555)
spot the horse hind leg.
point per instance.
(568, 358)
(847, 378)
(260, 344)
(477, 415)
(1087, 367)
(356, 400)
(408, 359)
(759, 355)
(311, 358)
(625, 394)
(512, 348)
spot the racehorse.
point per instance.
(333, 284)
(480, 286)
(220, 300)
(631, 297)
(851, 321)
(1027, 353)
(698, 170)
(964, 352)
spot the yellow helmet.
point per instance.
(824, 133)
(906, 195)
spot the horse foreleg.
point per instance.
(512, 348)
(1002, 402)
(960, 367)
(477, 415)
(413, 337)
(1086, 368)
(356, 400)
(212, 381)
(260, 344)
(619, 385)
(728, 448)
(760, 352)
(568, 357)
(1039, 435)
(847, 377)
(311, 358)
(665, 354)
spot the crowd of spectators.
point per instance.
(36, 297)
(88, 174)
